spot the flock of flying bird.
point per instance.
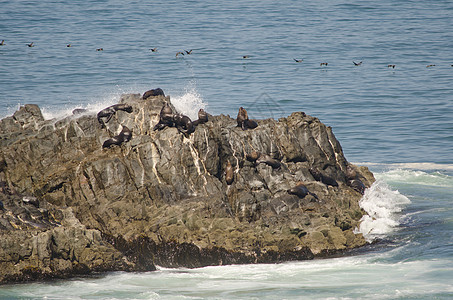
(188, 52)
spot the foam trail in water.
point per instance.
(417, 177)
(383, 207)
(189, 103)
(414, 166)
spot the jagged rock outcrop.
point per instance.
(162, 197)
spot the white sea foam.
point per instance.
(383, 207)
(189, 103)
(433, 178)
(414, 166)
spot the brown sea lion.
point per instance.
(357, 185)
(250, 124)
(253, 156)
(350, 172)
(300, 190)
(229, 174)
(183, 123)
(152, 93)
(264, 158)
(243, 120)
(79, 111)
(202, 117)
(124, 136)
(318, 176)
(110, 111)
(166, 117)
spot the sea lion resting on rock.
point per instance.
(183, 123)
(152, 93)
(111, 110)
(243, 120)
(180, 121)
(165, 118)
(353, 181)
(318, 176)
(229, 174)
(79, 111)
(124, 136)
(357, 185)
(300, 190)
(202, 118)
(258, 158)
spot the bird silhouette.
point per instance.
(298, 60)
(189, 52)
(30, 45)
(357, 64)
(153, 49)
(2, 43)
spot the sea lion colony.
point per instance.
(168, 118)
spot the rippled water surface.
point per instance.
(398, 121)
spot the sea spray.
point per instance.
(383, 207)
(189, 103)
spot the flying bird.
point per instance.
(298, 60)
(30, 45)
(357, 64)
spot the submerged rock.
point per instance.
(161, 197)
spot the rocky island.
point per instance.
(80, 196)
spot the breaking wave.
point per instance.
(383, 207)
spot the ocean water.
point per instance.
(397, 121)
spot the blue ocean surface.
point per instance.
(398, 120)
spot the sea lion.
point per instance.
(110, 111)
(264, 158)
(124, 136)
(300, 190)
(166, 117)
(357, 185)
(229, 174)
(350, 172)
(183, 123)
(152, 93)
(318, 176)
(253, 156)
(250, 124)
(79, 111)
(243, 121)
(202, 118)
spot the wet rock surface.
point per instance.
(161, 197)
